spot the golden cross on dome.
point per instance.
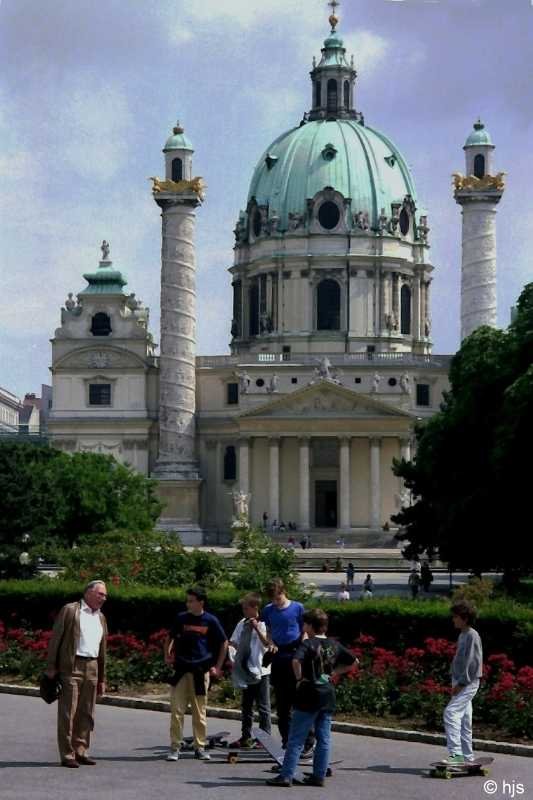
(334, 20)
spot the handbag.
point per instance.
(49, 688)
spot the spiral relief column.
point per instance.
(478, 192)
(177, 467)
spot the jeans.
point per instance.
(259, 694)
(458, 721)
(302, 722)
(284, 685)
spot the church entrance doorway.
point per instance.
(326, 504)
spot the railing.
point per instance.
(339, 359)
(23, 433)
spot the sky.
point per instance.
(89, 92)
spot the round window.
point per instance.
(392, 381)
(260, 382)
(329, 215)
(257, 224)
(404, 222)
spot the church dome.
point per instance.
(352, 158)
(479, 136)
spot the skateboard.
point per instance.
(276, 752)
(480, 766)
(212, 740)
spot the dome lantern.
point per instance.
(178, 152)
(333, 78)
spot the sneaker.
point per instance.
(173, 755)
(312, 780)
(454, 761)
(307, 755)
(284, 783)
(201, 755)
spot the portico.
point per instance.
(329, 469)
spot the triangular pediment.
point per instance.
(326, 399)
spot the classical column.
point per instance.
(177, 458)
(345, 480)
(244, 466)
(304, 485)
(417, 320)
(273, 448)
(375, 483)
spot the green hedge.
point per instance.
(505, 626)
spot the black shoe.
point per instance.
(312, 780)
(285, 783)
(307, 755)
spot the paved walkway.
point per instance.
(131, 746)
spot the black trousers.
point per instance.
(284, 685)
(257, 694)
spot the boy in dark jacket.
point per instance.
(315, 662)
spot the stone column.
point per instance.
(304, 523)
(375, 483)
(417, 320)
(345, 481)
(177, 457)
(177, 468)
(273, 448)
(244, 466)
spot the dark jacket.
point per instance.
(65, 638)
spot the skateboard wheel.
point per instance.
(233, 758)
(484, 772)
(329, 772)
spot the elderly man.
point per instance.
(77, 652)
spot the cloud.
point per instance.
(369, 50)
(252, 14)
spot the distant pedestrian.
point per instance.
(308, 542)
(303, 543)
(426, 576)
(368, 588)
(265, 520)
(466, 670)
(350, 574)
(343, 593)
(414, 583)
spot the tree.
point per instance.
(470, 478)
(56, 497)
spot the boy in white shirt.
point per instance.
(249, 640)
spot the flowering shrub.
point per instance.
(414, 683)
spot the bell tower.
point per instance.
(478, 193)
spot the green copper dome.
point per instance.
(178, 140)
(479, 136)
(104, 281)
(357, 161)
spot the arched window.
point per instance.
(332, 95)
(406, 310)
(346, 94)
(101, 324)
(318, 94)
(329, 215)
(328, 306)
(404, 222)
(254, 310)
(177, 169)
(479, 166)
(230, 463)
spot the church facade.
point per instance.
(330, 362)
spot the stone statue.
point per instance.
(70, 303)
(295, 220)
(427, 327)
(324, 369)
(234, 328)
(244, 382)
(274, 384)
(132, 303)
(272, 223)
(423, 230)
(376, 380)
(405, 383)
(263, 323)
(105, 250)
(362, 220)
(240, 504)
(383, 221)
